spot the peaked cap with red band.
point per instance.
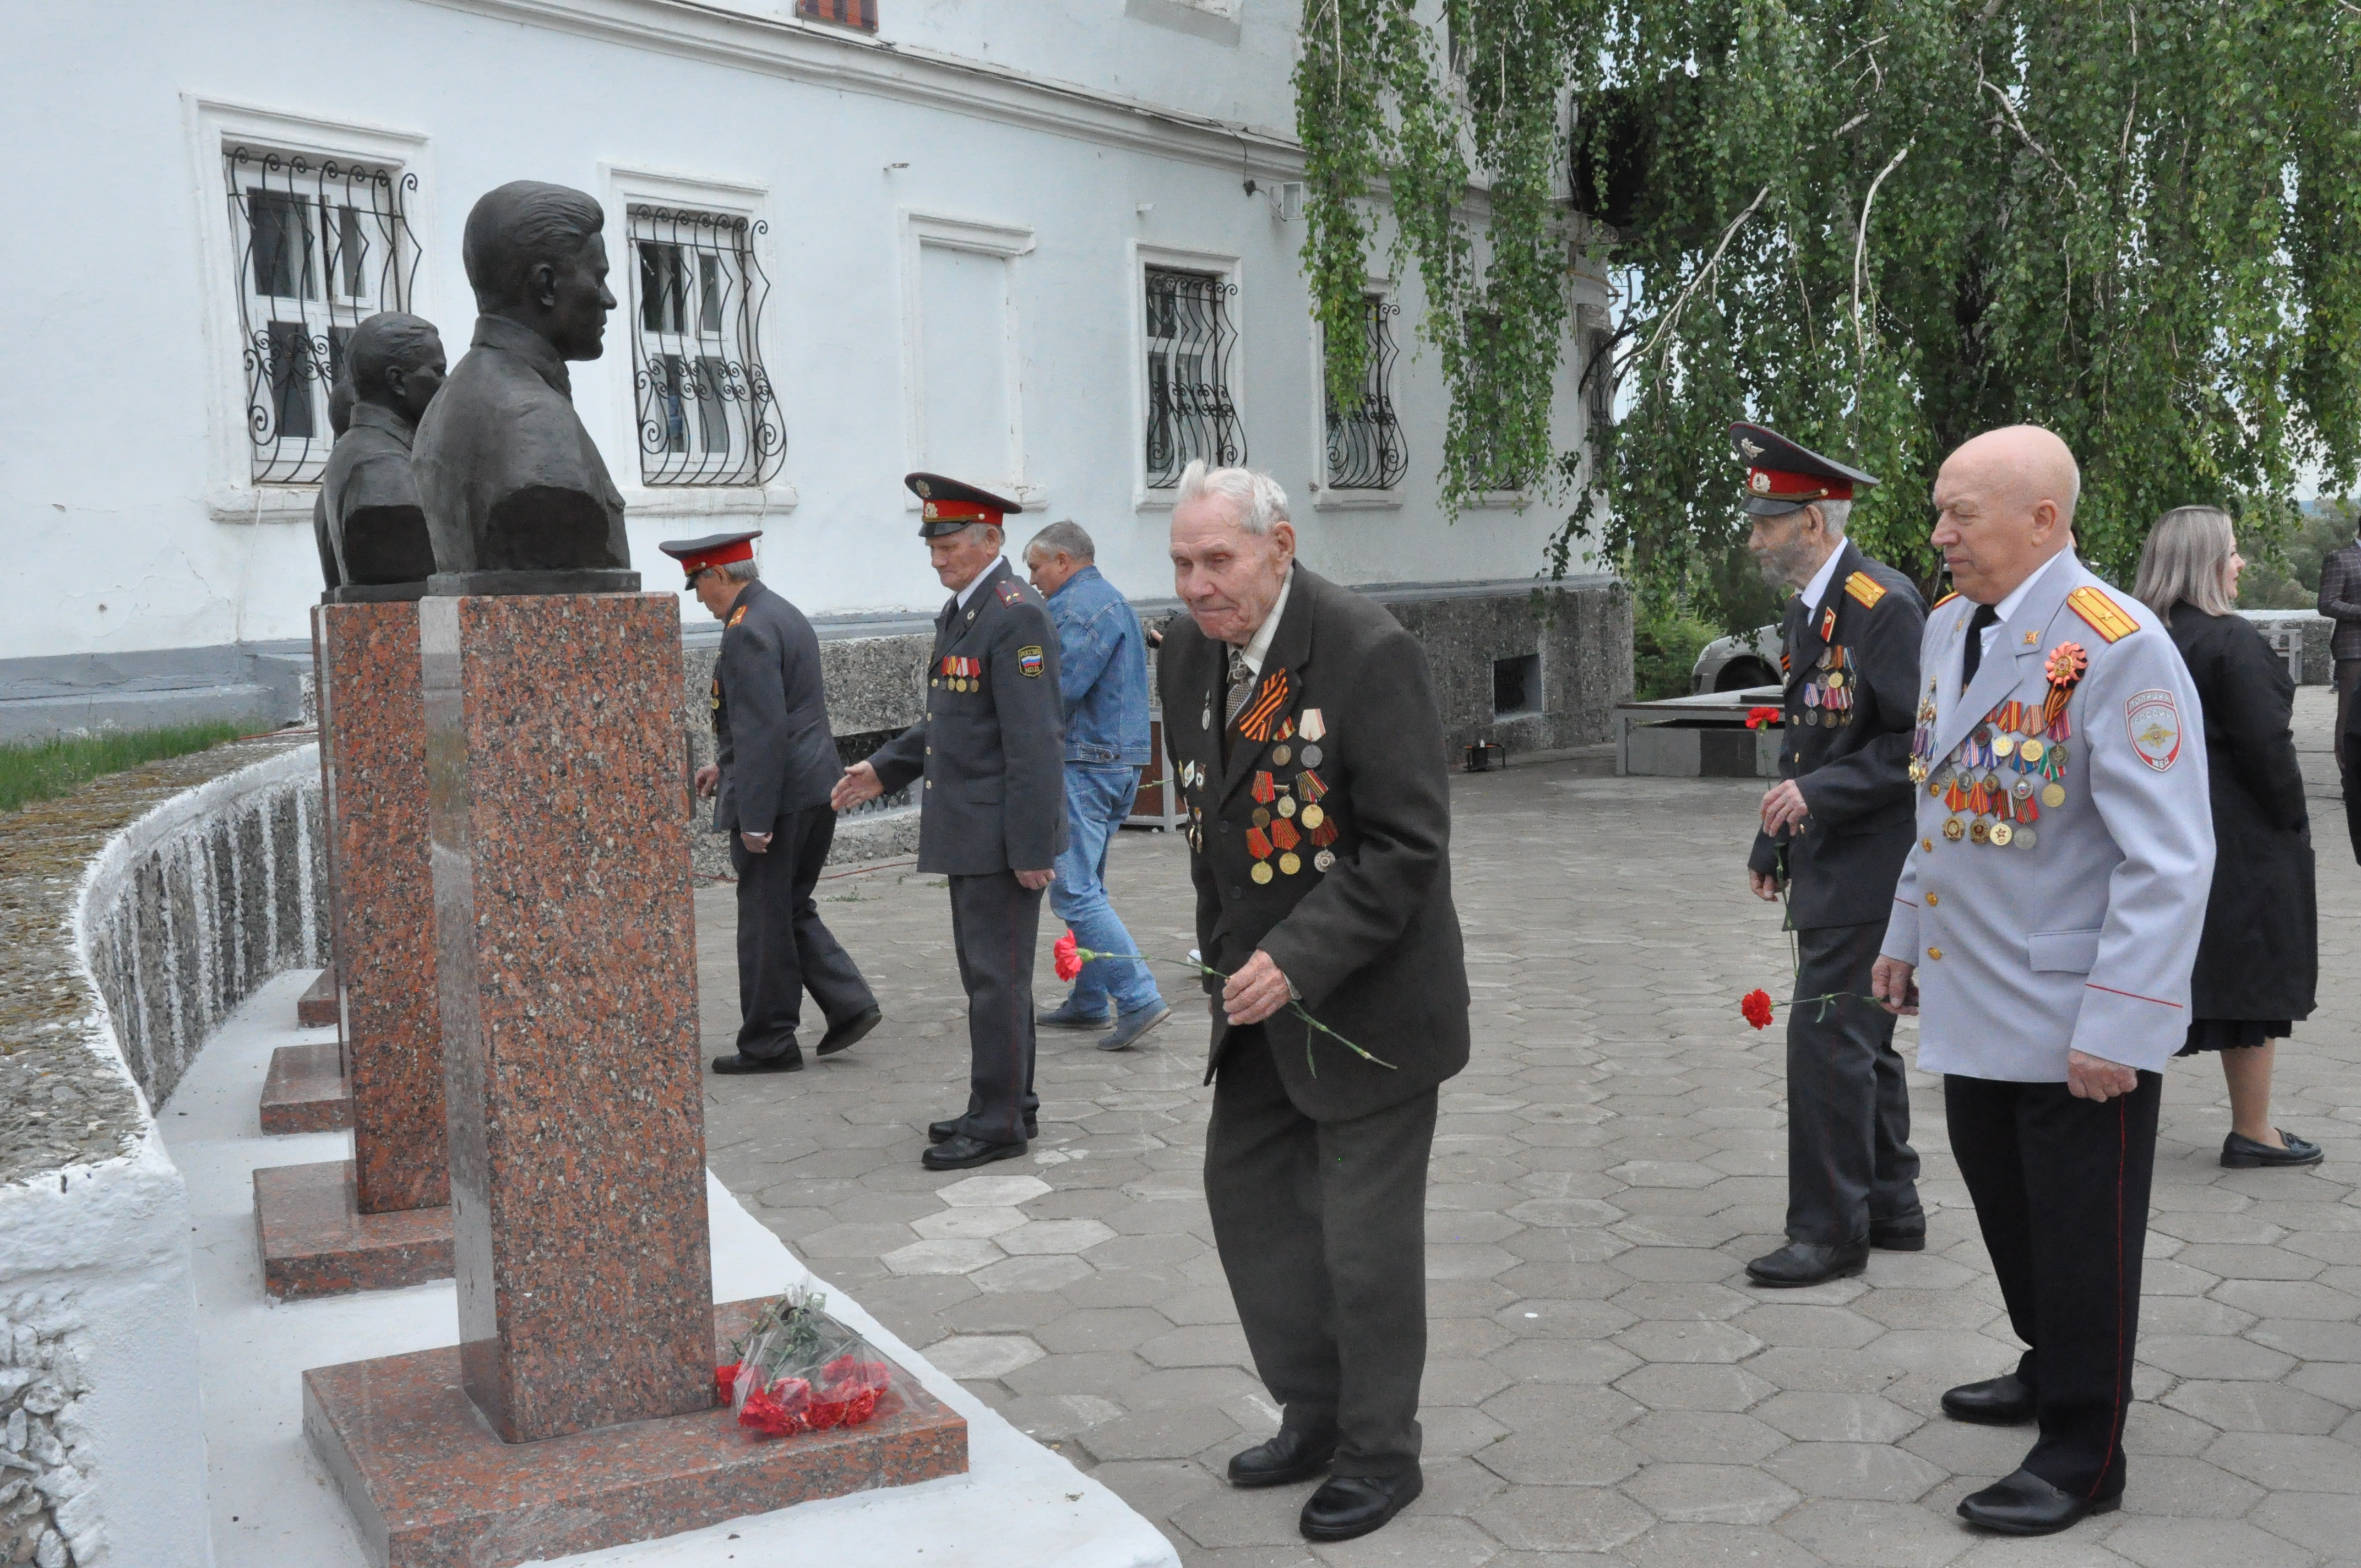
(1781, 476)
(948, 505)
(714, 550)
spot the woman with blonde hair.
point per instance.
(2259, 960)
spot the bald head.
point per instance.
(2004, 505)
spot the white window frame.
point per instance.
(1324, 495)
(620, 185)
(977, 236)
(1142, 255)
(214, 124)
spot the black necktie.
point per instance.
(1974, 655)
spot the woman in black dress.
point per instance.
(2258, 959)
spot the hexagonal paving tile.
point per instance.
(974, 1356)
(991, 1191)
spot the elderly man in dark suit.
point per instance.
(1303, 723)
(517, 498)
(774, 768)
(990, 759)
(1834, 832)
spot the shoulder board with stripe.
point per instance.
(1865, 588)
(1945, 600)
(2106, 616)
(1011, 594)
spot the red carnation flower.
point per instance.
(1756, 1006)
(1069, 956)
(725, 1383)
(1762, 718)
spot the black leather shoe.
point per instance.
(1348, 1505)
(2024, 1504)
(850, 1030)
(2241, 1153)
(1806, 1263)
(960, 1152)
(2001, 1401)
(1903, 1233)
(943, 1132)
(1290, 1456)
(735, 1063)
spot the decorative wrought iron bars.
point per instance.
(1364, 441)
(1191, 340)
(707, 413)
(320, 246)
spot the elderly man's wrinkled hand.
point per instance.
(857, 787)
(2095, 1077)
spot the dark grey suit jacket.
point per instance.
(1855, 777)
(991, 749)
(510, 479)
(770, 715)
(1373, 943)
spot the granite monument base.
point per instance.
(316, 1242)
(543, 580)
(306, 1091)
(375, 593)
(316, 1008)
(431, 1486)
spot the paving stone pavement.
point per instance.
(1602, 1386)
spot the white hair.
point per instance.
(1255, 500)
(978, 529)
(1834, 515)
(744, 571)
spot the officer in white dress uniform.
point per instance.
(2044, 926)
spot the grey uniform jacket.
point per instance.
(770, 716)
(2084, 940)
(1852, 685)
(991, 749)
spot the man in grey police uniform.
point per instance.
(774, 770)
(991, 813)
(2044, 926)
(1834, 832)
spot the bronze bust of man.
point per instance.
(340, 420)
(375, 523)
(517, 498)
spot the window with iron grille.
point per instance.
(1191, 339)
(706, 413)
(320, 246)
(1365, 440)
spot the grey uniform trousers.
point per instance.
(784, 946)
(995, 920)
(1321, 1227)
(1850, 1163)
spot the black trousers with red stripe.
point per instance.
(2060, 1186)
(995, 922)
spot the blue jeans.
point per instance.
(1097, 800)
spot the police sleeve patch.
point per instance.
(1865, 588)
(2153, 719)
(1029, 662)
(2105, 615)
(1011, 594)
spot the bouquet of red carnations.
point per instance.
(800, 1370)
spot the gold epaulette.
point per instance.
(1865, 588)
(2106, 616)
(1945, 600)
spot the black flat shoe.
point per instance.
(1805, 1262)
(2024, 1504)
(849, 1032)
(2241, 1153)
(960, 1152)
(1903, 1233)
(1348, 1505)
(2001, 1401)
(1290, 1456)
(943, 1132)
(736, 1063)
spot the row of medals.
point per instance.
(1828, 700)
(2023, 752)
(1280, 796)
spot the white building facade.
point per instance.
(1011, 240)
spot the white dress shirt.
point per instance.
(1818, 589)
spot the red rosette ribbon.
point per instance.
(1069, 956)
(2064, 666)
(1762, 718)
(1755, 1006)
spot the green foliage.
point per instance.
(2288, 576)
(1665, 649)
(43, 770)
(1880, 226)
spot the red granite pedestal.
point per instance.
(306, 1091)
(433, 1488)
(316, 1008)
(373, 771)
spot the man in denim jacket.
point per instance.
(1103, 677)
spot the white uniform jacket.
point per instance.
(2055, 892)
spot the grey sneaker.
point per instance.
(1130, 1026)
